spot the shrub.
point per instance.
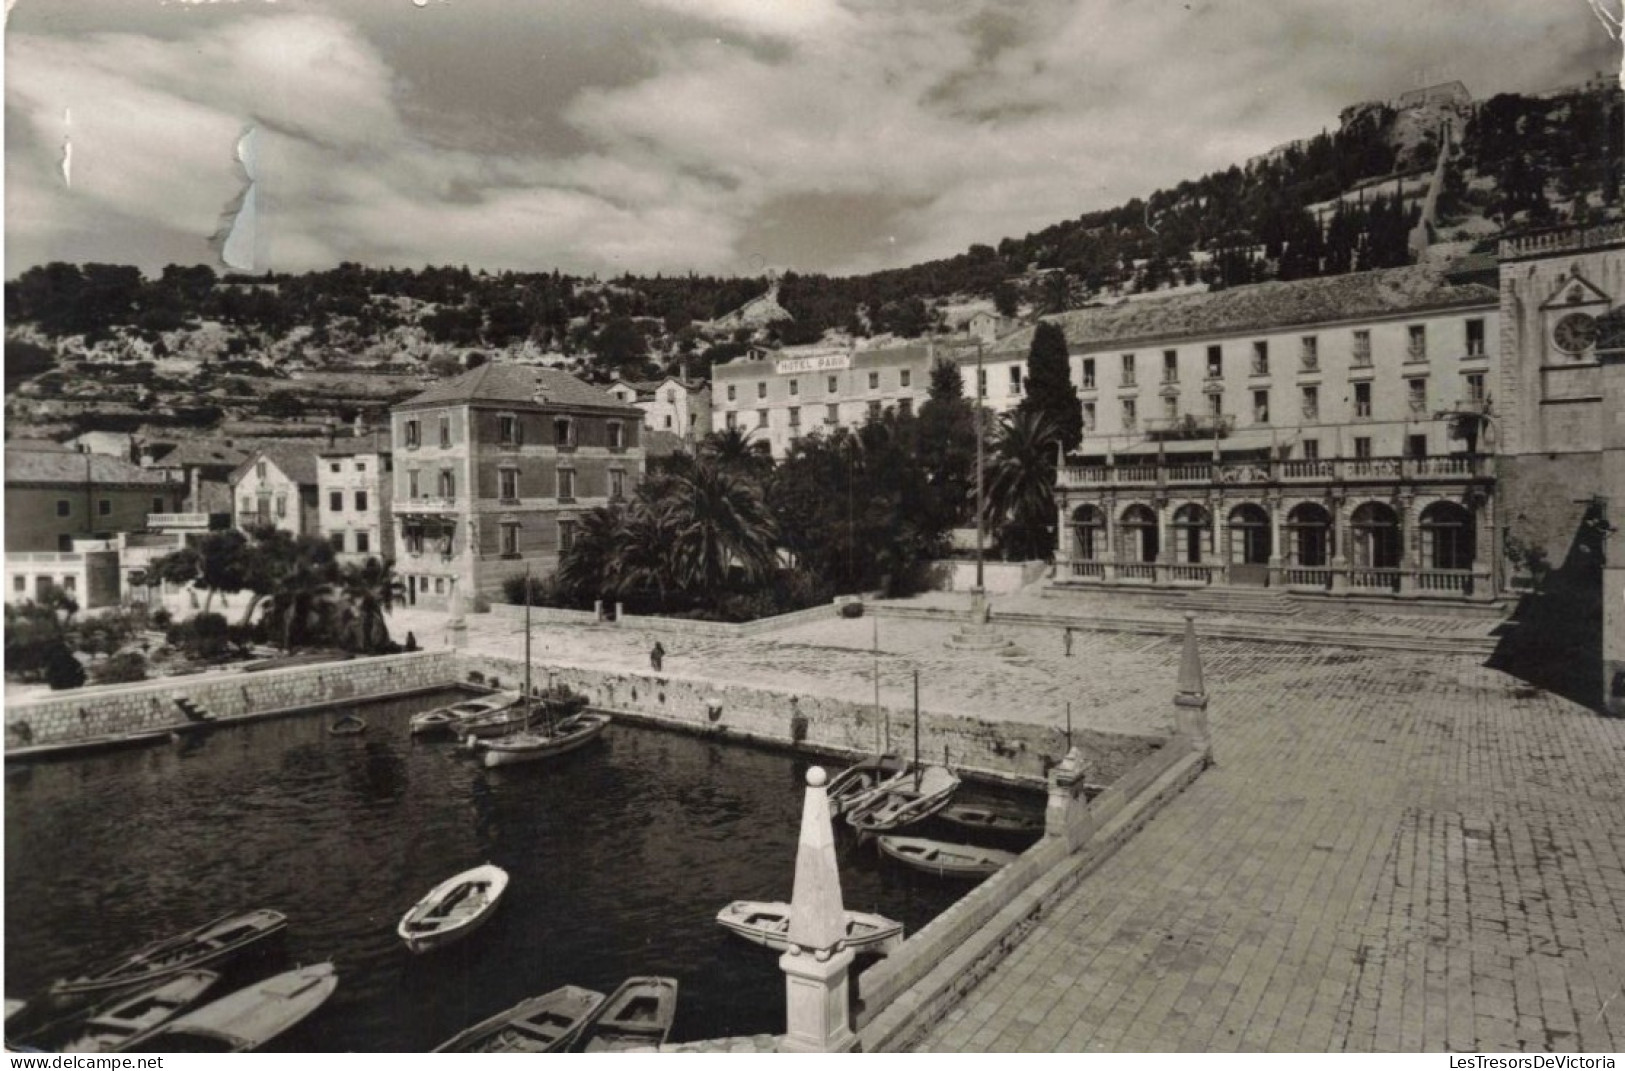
(544, 591)
(125, 668)
(411, 642)
(62, 669)
(851, 609)
(161, 618)
(481, 605)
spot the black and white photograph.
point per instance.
(814, 526)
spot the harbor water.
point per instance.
(620, 857)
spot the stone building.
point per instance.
(778, 396)
(66, 516)
(1560, 424)
(354, 487)
(55, 496)
(672, 405)
(493, 469)
(276, 487)
(1316, 436)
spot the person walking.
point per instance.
(657, 655)
(1066, 640)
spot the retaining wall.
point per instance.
(85, 713)
(1004, 751)
(903, 995)
(547, 615)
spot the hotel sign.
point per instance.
(830, 362)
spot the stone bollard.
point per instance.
(1066, 806)
(816, 967)
(1190, 701)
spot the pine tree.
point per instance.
(1050, 389)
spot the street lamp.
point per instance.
(980, 505)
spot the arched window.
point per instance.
(1141, 541)
(1447, 536)
(1088, 533)
(1193, 533)
(1249, 535)
(1310, 539)
(1376, 536)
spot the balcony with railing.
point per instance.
(1416, 584)
(1172, 472)
(427, 504)
(187, 522)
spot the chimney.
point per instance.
(328, 428)
(359, 425)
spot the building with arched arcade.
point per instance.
(1322, 435)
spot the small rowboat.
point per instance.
(453, 909)
(767, 923)
(532, 745)
(117, 1024)
(442, 719)
(548, 1023)
(349, 725)
(212, 944)
(246, 1019)
(906, 798)
(944, 859)
(856, 781)
(992, 818)
(638, 1015)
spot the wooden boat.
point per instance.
(453, 909)
(531, 745)
(637, 1015)
(858, 780)
(349, 725)
(944, 859)
(448, 718)
(767, 923)
(211, 944)
(992, 818)
(906, 798)
(118, 1023)
(247, 1019)
(548, 1023)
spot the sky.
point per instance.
(714, 136)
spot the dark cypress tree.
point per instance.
(1050, 389)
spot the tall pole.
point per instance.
(880, 748)
(916, 730)
(529, 705)
(980, 510)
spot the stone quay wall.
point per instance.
(932, 970)
(89, 713)
(998, 751)
(677, 626)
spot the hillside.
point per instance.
(96, 345)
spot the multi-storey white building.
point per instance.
(1300, 435)
(671, 404)
(354, 479)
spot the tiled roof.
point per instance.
(63, 467)
(1261, 307)
(297, 460)
(517, 384)
(204, 452)
(376, 441)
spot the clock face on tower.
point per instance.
(1575, 332)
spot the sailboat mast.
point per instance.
(916, 730)
(527, 699)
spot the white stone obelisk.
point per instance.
(817, 1012)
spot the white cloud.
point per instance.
(960, 120)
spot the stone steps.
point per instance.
(1235, 601)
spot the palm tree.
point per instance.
(1021, 483)
(733, 450)
(301, 603)
(588, 568)
(369, 591)
(643, 562)
(720, 522)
